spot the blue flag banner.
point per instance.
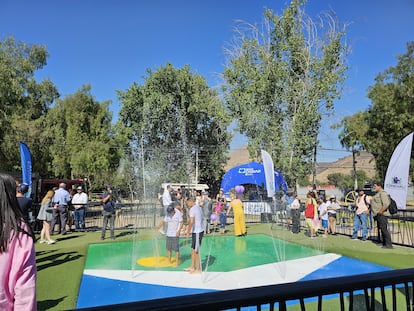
(26, 160)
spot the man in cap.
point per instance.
(25, 204)
(108, 212)
(174, 221)
(79, 201)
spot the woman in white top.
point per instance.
(332, 208)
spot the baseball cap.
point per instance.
(79, 188)
(170, 208)
(23, 188)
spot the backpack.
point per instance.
(366, 202)
(392, 208)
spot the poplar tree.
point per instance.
(281, 78)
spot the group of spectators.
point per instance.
(55, 209)
(321, 214)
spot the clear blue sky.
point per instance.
(110, 44)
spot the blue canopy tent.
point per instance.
(250, 173)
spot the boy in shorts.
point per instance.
(323, 215)
(174, 221)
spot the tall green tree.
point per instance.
(82, 142)
(281, 78)
(390, 117)
(23, 103)
(177, 126)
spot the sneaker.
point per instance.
(42, 241)
(51, 242)
(354, 239)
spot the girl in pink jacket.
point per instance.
(17, 254)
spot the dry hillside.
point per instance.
(365, 162)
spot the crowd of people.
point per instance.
(320, 214)
(17, 252)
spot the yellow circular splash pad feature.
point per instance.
(156, 262)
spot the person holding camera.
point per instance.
(361, 215)
(108, 212)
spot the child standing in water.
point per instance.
(174, 221)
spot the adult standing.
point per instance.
(207, 204)
(25, 204)
(195, 227)
(17, 253)
(311, 213)
(379, 206)
(361, 215)
(167, 198)
(108, 212)
(295, 213)
(332, 208)
(238, 213)
(45, 215)
(60, 201)
(79, 201)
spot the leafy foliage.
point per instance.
(23, 103)
(171, 120)
(82, 142)
(280, 79)
(390, 117)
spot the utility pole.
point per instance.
(354, 162)
(314, 169)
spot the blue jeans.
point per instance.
(80, 218)
(223, 217)
(359, 220)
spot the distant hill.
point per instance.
(365, 162)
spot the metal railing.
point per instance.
(148, 215)
(349, 293)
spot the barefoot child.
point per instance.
(195, 228)
(174, 221)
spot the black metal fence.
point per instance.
(389, 290)
(148, 215)
(394, 290)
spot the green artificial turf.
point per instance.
(60, 266)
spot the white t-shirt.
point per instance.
(173, 223)
(295, 204)
(335, 206)
(323, 209)
(80, 198)
(197, 212)
(166, 198)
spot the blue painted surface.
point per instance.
(96, 291)
(344, 266)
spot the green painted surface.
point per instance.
(218, 253)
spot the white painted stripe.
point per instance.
(268, 274)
